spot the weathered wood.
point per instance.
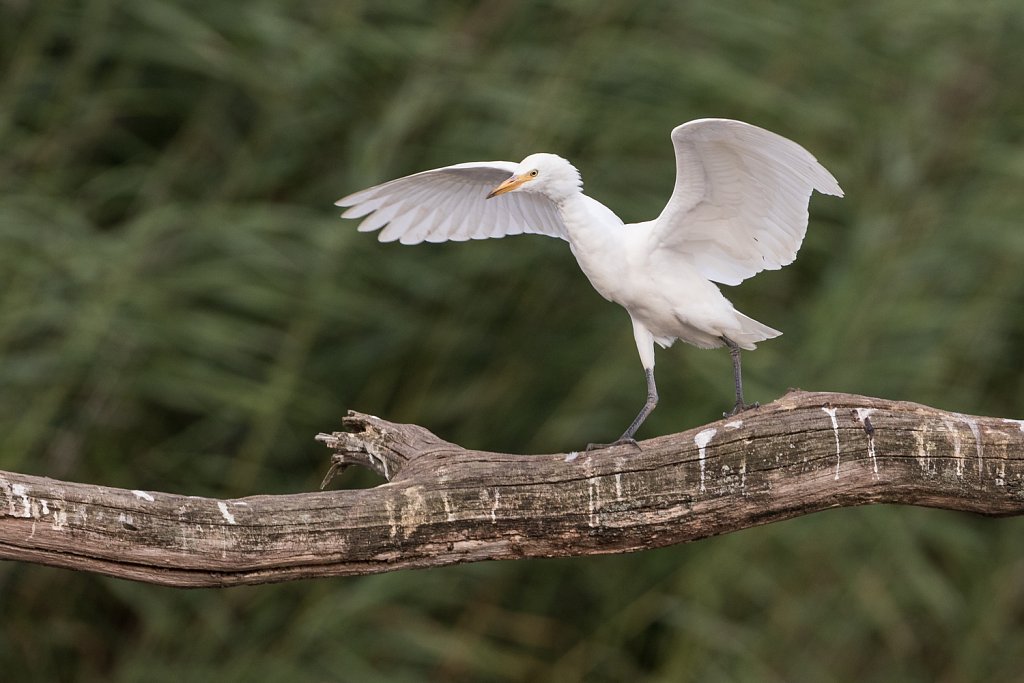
(444, 504)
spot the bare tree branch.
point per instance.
(444, 504)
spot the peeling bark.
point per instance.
(444, 504)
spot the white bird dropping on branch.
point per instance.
(739, 207)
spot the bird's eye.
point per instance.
(534, 173)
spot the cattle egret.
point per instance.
(739, 206)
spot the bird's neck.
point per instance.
(588, 221)
(596, 238)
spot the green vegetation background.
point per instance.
(182, 310)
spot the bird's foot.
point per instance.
(740, 407)
(620, 442)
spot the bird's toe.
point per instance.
(739, 407)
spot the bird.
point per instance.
(739, 206)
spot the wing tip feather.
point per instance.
(829, 185)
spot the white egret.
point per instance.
(739, 207)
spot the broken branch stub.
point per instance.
(381, 446)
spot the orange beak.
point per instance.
(508, 185)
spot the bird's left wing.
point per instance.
(740, 201)
(451, 203)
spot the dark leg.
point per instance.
(652, 401)
(737, 378)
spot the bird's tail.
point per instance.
(749, 332)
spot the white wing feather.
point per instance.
(451, 203)
(740, 200)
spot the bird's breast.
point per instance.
(615, 264)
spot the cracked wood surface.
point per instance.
(444, 504)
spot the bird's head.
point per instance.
(547, 174)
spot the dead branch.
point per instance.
(444, 504)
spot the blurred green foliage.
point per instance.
(182, 310)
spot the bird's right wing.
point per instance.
(451, 203)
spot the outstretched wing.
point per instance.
(451, 203)
(740, 201)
